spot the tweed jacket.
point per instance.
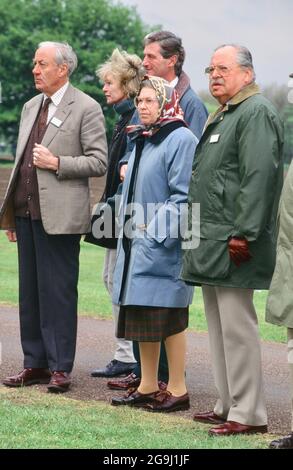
(76, 134)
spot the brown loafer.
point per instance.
(60, 382)
(208, 417)
(231, 427)
(131, 381)
(28, 376)
(134, 398)
(166, 402)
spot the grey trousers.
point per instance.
(124, 350)
(236, 354)
(290, 362)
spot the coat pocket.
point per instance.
(155, 260)
(210, 260)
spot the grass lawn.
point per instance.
(5, 164)
(31, 419)
(36, 420)
(94, 299)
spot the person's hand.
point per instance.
(239, 250)
(44, 159)
(11, 235)
(123, 170)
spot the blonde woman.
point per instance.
(121, 75)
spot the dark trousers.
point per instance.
(163, 373)
(48, 277)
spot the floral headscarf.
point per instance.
(169, 108)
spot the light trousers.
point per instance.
(236, 354)
(124, 350)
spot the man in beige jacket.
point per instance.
(46, 208)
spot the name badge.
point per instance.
(214, 138)
(56, 122)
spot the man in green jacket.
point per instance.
(279, 309)
(237, 180)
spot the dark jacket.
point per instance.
(117, 146)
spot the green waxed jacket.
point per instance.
(280, 299)
(237, 179)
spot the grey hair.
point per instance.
(170, 44)
(126, 68)
(64, 54)
(243, 57)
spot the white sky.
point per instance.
(264, 26)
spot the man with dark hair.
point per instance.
(164, 57)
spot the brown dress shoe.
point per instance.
(28, 376)
(131, 381)
(134, 398)
(166, 402)
(60, 382)
(208, 417)
(285, 442)
(231, 427)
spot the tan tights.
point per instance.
(149, 357)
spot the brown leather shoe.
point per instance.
(134, 398)
(231, 427)
(166, 402)
(28, 376)
(285, 442)
(131, 381)
(60, 382)
(208, 417)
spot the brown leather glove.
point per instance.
(239, 250)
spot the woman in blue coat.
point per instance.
(153, 301)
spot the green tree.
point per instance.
(93, 28)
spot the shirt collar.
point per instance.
(174, 82)
(58, 95)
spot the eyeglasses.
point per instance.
(148, 102)
(221, 69)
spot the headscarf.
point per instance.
(169, 108)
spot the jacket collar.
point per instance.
(124, 106)
(242, 95)
(183, 84)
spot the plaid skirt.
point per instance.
(137, 323)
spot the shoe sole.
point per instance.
(56, 389)
(252, 431)
(119, 389)
(134, 405)
(27, 384)
(205, 421)
(176, 408)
